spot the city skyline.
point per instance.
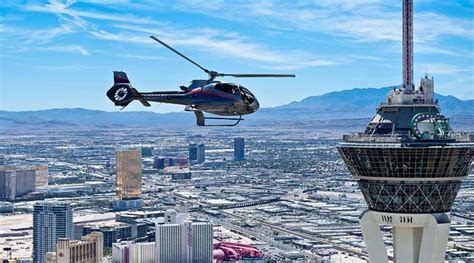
(71, 48)
(291, 182)
(311, 181)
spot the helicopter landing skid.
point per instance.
(201, 120)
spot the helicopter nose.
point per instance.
(255, 105)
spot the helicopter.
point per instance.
(202, 95)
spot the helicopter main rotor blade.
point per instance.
(257, 75)
(181, 54)
(213, 74)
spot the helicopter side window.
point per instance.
(227, 88)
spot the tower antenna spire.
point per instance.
(407, 85)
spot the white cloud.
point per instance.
(427, 49)
(225, 43)
(294, 65)
(206, 39)
(441, 68)
(361, 57)
(140, 57)
(71, 67)
(16, 39)
(357, 20)
(59, 8)
(68, 49)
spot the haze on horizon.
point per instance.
(61, 54)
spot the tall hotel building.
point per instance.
(16, 182)
(186, 242)
(193, 152)
(128, 179)
(239, 149)
(201, 153)
(41, 175)
(51, 221)
(196, 153)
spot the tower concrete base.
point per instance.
(417, 238)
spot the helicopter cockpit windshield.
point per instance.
(247, 96)
(227, 88)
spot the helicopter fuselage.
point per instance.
(220, 98)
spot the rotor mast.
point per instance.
(407, 85)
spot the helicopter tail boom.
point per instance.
(122, 93)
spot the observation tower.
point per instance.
(409, 165)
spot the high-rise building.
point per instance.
(193, 152)
(16, 182)
(239, 149)
(199, 242)
(87, 250)
(7, 185)
(51, 221)
(159, 163)
(170, 242)
(409, 165)
(2, 159)
(25, 181)
(180, 240)
(128, 169)
(147, 151)
(201, 153)
(129, 252)
(41, 175)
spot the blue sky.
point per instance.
(60, 54)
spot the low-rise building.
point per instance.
(87, 250)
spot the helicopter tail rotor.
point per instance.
(122, 92)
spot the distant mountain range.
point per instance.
(358, 103)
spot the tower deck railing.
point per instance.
(397, 138)
(361, 137)
(463, 137)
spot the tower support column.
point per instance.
(406, 243)
(373, 237)
(416, 237)
(435, 238)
